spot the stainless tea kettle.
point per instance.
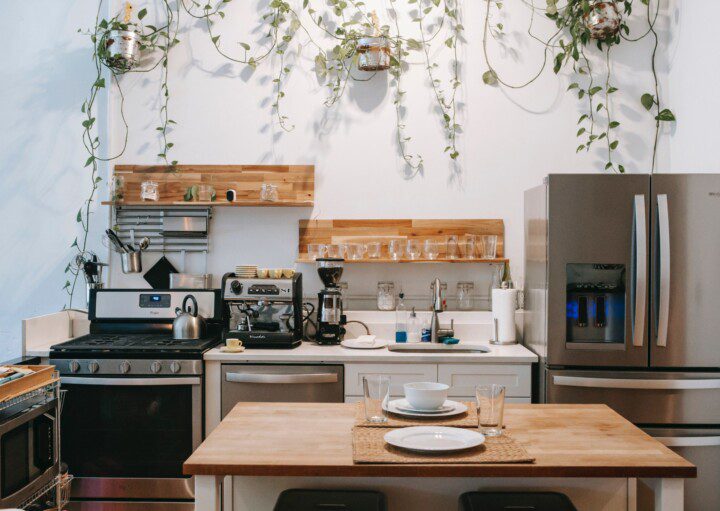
(188, 324)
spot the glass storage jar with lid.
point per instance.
(386, 296)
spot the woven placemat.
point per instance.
(463, 420)
(369, 447)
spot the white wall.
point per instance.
(511, 139)
(45, 72)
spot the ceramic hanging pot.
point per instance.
(603, 20)
(123, 49)
(373, 54)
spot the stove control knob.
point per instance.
(124, 367)
(236, 287)
(93, 366)
(155, 367)
(74, 366)
(174, 367)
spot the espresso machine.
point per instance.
(330, 318)
(263, 313)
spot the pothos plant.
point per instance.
(584, 27)
(151, 40)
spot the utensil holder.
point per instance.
(131, 262)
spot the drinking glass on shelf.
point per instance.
(490, 408)
(315, 250)
(452, 251)
(333, 250)
(468, 246)
(413, 249)
(464, 295)
(205, 193)
(376, 392)
(431, 249)
(395, 249)
(373, 249)
(489, 246)
(386, 296)
(355, 251)
(269, 192)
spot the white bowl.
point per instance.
(426, 395)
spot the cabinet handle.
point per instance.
(282, 378)
(632, 383)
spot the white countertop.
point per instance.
(311, 352)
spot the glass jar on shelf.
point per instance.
(386, 296)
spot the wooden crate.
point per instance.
(295, 184)
(42, 375)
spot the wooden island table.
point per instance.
(588, 452)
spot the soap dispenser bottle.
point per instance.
(414, 328)
(401, 320)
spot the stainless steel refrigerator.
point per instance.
(622, 280)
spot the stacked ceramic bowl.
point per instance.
(247, 271)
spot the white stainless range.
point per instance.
(134, 405)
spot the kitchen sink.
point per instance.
(438, 348)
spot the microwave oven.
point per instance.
(29, 456)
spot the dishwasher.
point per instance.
(281, 383)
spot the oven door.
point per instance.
(129, 437)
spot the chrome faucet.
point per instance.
(438, 306)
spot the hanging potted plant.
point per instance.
(373, 51)
(119, 43)
(603, 20)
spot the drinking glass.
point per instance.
(269, 192)
(376, 393)
(413, 249)
(315, 250)
(468, 246)
(355, 251)
(373, 249)
(464, 295)
(490, 407)
(431, 249)
(205, 193)
(395, 249)
(149, 190)
(489, 246)
(451, 251)
(333, 250)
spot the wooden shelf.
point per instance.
(382, 230)
(307, 260)
(295, 184)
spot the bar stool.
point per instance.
(330, 500)
(504, 501)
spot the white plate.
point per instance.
(357, 345)
(398, 406)
(446, 407)
(434, 438)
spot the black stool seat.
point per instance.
(515, 501)
(330, 500)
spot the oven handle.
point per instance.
(129, 382)
(282, 378)
(632, 383)
(688, 441)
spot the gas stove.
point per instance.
(131, 335)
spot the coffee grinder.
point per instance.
(330, 317)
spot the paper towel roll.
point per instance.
(504, 303)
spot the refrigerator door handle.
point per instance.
(688, 441)
(640, 262)
(634, 383)
(664, 271)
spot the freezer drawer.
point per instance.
(642, 397)
(280, 383)
(701, 447)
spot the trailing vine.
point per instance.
(151, 38)
(582, 24)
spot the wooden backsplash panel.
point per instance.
(295, 183)
(338, 231)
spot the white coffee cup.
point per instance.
(426, 395)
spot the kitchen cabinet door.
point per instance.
(463, 378)
(399, 375)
